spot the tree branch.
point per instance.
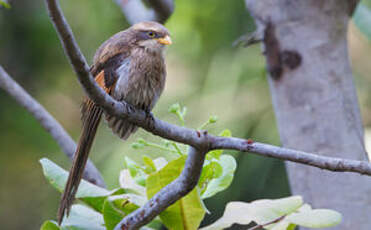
(163, 9)
(201, 141)
(136, 11)
(182, 134)
(47, 121)
(312, 159)
(169, 194)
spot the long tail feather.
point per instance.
(90, 126)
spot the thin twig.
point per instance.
(260, 226)
(196, 139)
(316, 160)
(248, 39)
(47, 121)
(154, 145)
(177, 148)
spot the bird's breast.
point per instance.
(141, 79)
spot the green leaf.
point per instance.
(225, 133)
(116, 207)
(58, 177)
(317, 218)
(111, 215)
(290, 209)
(80, 218)
(136, 171)
(221, 182)
(362, 19)
(137, 145)
(263, 211)
(213, 119)
(153, 225)
(5, 4)
(174, 108)
(160, 163)
(140, 143)
(178, 111)
(150, 165)
(210, 170)
(87, 192)
(187, 213)
(282, 225)
(214, 154)
(49, 225)
(127, 182)
(260, 211)
(291, 227)
(132, 166)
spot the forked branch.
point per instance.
(200, 141)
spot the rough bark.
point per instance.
(315, 100)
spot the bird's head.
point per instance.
(151, 36)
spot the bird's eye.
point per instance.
(151, 34)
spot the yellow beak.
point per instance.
(165, 40)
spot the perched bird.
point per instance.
(130, 67)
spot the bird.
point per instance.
(130, 67)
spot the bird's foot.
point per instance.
(149, 116)
(130, 108)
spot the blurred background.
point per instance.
(205, 74)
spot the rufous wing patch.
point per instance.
(101, 82)
(87, 105)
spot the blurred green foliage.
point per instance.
(362, 17)
(205, 73)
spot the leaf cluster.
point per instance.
(104, 209)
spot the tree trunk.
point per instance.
(315, 100)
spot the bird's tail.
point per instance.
(90, 126)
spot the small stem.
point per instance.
(177, 148)
(154, 145)
(203, 126)
(259, 226)
(180, 116)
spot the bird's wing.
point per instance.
(88, 105)
(118, 45)
(106, 78)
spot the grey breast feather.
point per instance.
(119, 126)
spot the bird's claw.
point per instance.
(130, 108)
(149, 116)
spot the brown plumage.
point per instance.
(129, 66)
